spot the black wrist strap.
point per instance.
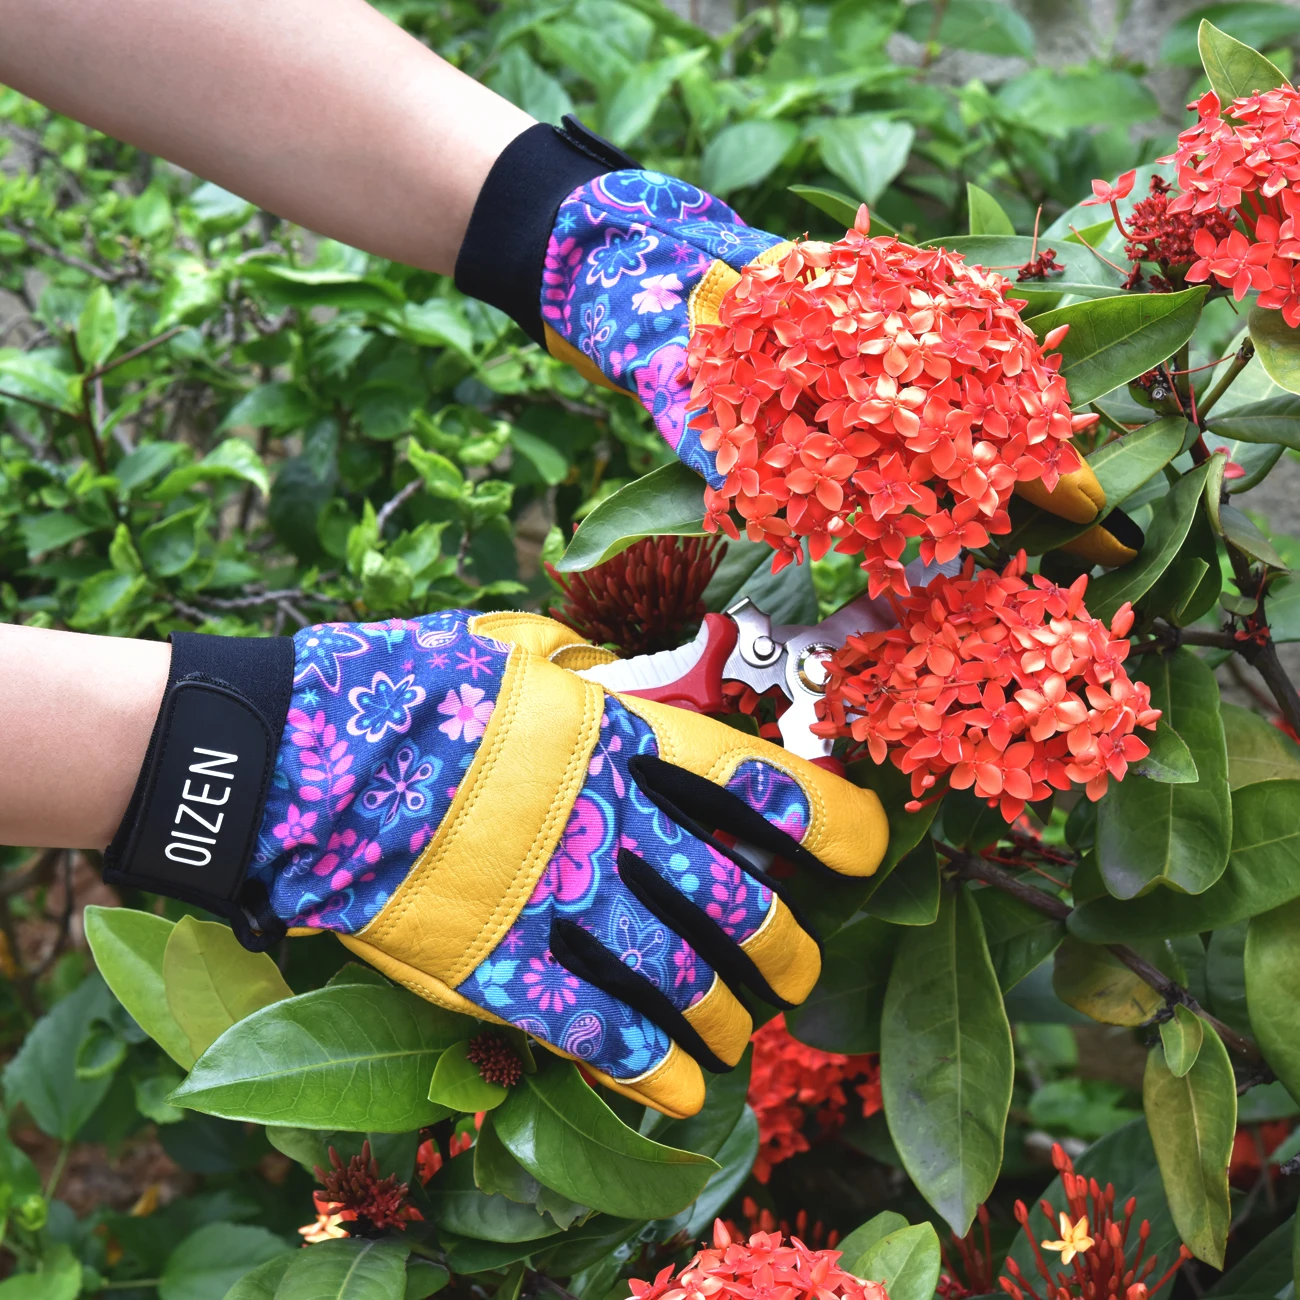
(501, 259)
(191, 826)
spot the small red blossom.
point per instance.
(1244, 162)
(428, 1160)
(360, 1198)
(788, 1079)
(763, 1220)
(1251, 1147)
(1039, 268)
(762, 1265)
(993, 681)
(1104, 192)
(497, 1061)
(1100, 1268)
(1170, 239)
(1231, 469)
(866, 392)
(972, 1273)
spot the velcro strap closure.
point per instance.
(191, 827)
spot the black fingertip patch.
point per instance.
(696, 926)
(1124, 530)
(583, 955)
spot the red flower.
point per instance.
(497, 1061)
(1105, 193)
(788, 1079)
(993, 682)
(357, 1195)
(862, 393)
(762, 1266)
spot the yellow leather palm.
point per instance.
(521, 818)
(1079, 498)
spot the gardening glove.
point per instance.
(611, 268)
(496, 833)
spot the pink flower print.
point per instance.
(657, 293)
(664, 389)
(467, 714)
(570, 876)
(549, 984)
(326, 761)
(683, 965)
(339, 841)
(473, 663)
(295, 829)
(728, 894)
(792, 823)
(420, 838)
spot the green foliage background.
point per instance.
(212, 419)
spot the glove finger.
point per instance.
(1077, 496)
(1114, 541)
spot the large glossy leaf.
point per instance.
(460, 1206)
(667, 501)
(349, 1056)
(1273, 989)
(1257, 750)
(128, 947)
(1234, 69)
(1276, 419)
(42, 1077)
(865, 151)
(1193, 1120)
(1168, 758)
(1179, 835)
(985, 215)
(1170, 524)
(1093, 980)
(568, 1139)
(842, 1013)
(946, 1060)
(906, 1263)
(724, 1103)
(736, 1157)
(1113, 340)
(1278, 347)
(1126, 464)
(210, 1261)
(1264, 1271)
(1263, 872)
(1020, 938)
(746, 570)
(459, 1084)
(352, 1269)
(853, 1248)
(212, 981)
(909, 895)
(262, 1282)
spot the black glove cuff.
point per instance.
(191, 826)
(501, 259)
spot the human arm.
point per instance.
(321, 111)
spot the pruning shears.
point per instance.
(744, 645)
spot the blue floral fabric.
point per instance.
(384, 721)
(626, 250)
(385, 718)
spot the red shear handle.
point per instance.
(700, 687)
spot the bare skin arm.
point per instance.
(321, 111)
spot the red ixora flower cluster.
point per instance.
(788, 1079)
(865, 392)
(1093, 1240)
(497, 1060)
(994, 682)
(1247, 162)
(355, 1194)
(762, 1265)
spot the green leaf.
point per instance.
(865, 151)
(348, 1056)
(746, 570)
(58, 1276)
(986, 214)
(1020, 938)
(855, 1247)
(1181, 1039)
(212, 981)
(523, 82)
(1263, 872)
(1170, 524)
(638, 96)
(128, 948)
(190, 292)
(667, 501)
(1274, 420)
(424, 1278)
(262, 1282)
(42, 1077)
(99, 328)
(1239, 529)
(1263, 1271)
(1193, 1120)
(232, 459)
(1083, 274)
(906, 1263)
(458, 1084)
(724, 1103)
(1113, 340)
(210, 1261)
(458, 1205)
(569, 1140)
(842, 1013)
(1258, 24)
(315, 286)
(946, 1061)
(351, 1269)
(839, 207)
(909, 895)
(278, 407)
(1054, 101)
(170, 546)
(1278, 347)
(1126, 464)
(1177, 835)
(1272, 962)
(1169, 761)
(1257, 750)
(47, 532)
(745, 153)
(1234, 69)
(36, 375)
(736, 1156)
(980, 26)
(1094, 981)
(547, 460)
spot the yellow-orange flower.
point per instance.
(1074, 1239)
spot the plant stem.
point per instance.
(56, 1174)
(1239, 363)
(970, 866)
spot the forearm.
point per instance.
(321, 111)
(76, 713)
